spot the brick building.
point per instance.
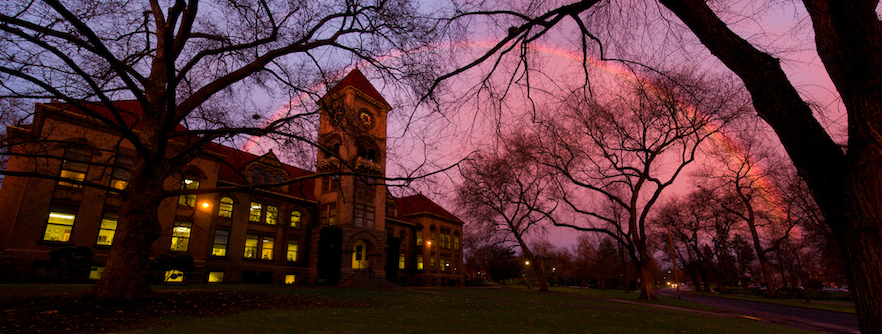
(338, 225)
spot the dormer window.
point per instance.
(256, 176)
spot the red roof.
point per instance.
(129, 110)
(421, 204)
(357, 80)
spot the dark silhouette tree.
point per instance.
(204, 66)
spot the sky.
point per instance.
(435, 141)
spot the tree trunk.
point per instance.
(647, 282)
(126, 275)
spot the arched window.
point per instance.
(367, 149)
(256, 176)
(268, 177)
(225, 208)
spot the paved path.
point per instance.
(798, 317)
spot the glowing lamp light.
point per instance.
(205, 205)
(527, 263)
(429, 243)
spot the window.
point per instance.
(268, 177)
(328, 213)
(225, 208)
(432, 262)
(292, 251)
(279, 179)
(60, 224)
(107, 229)
(258, 246)
(443, 263)
(330, 183)
(445, 239)
(74, 166)
(251, 246)
(221, 241)
(119, 177)
(359, 255)
(419, 261)
(266, 248)
(364, 215)
(256, 176)
(188, 200)
(215, 276)
(272, 215)
(174, 276)
(290, 278)
(254, 212)
(95, 273)
(419, 238)
(180, 240)
(295, 219)
(401, 261)
(456, 242)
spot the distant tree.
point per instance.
(204, 65)
(499, 262)
(507, 196)
(744, 256)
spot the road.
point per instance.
(797, 317)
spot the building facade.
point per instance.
(338, 225)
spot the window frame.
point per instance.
(181, 224)
(109, 217)
(225, 244)
(60, 212)
(221, 211)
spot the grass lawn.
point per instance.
(445, 310)
(818, 304)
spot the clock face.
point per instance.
(366, 118)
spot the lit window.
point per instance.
(188, 200)
(401, 261)
(272, 215)
(215, 276)
(59, 225)
(295, 219)
(251, 243)
(174, 276)
(180, 240)
(292, 251)
(432, 262)
(443, 262)
(107, 229)
(221, 240)
(290, 279)
(419, 238)
(419, 261)
(225, 208)
(74, 166)
(254, 212)
(456, 242)
(119, 177)
(266, 248)
(95, 273)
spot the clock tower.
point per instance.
(350, 189)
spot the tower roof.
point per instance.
(357, 80)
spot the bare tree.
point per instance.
(628, 151)
(508, 196)
(205, 66)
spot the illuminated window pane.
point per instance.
(401, 261)
(180, 240)
(328, 213)
(432, 262)
(292, 251)
(215, 277)
(419, 238)
(59, 226)
(272, 215)
(419, 261)
(455, 242)
(251, 242)
(107, 230)
(295, 219)
(95, 273)
(290, 279)
(188, 200)
(74, 166)
(443, 262)
(119, 177)
(225, 208)
(254, 212)
(266, 248)
(221, 240)
(174, 276)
